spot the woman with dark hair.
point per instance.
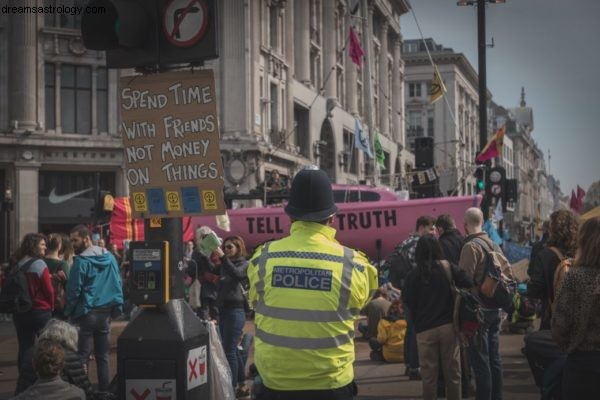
(561, 244)
(429, 296)
(576, 319)
(59, 271)
(29, 257)
(66, 251)
(233, 283)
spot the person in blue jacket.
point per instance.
(94, 295)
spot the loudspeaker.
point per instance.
(423, 152)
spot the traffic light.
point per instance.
(480, 179)
(151, 33)
(495, 183)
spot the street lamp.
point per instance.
(7, 207)
(481, 44)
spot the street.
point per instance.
(375, 380)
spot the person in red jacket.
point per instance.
(29, 324)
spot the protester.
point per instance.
(540, 244)
(303, 288)
(451, 242)
(429, 295)
(73, 371)
(48, 363)
(233, 283)
(425, 225)
(376, 309)
(94, 295)
(388, 344)
(114, 250)
(66, 251)
(207, 277)
(576, 319)
(450, 239)
(484, 354)
(29, 257)
(561, 243)
(59, 271)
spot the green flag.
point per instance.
(379, 154)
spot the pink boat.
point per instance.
(373, 220)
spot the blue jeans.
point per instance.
(231, 325)
(96, 325)
(484, 355)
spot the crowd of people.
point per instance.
(306, 291)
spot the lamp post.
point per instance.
(481, 52)
(7, 207)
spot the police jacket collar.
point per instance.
(314, 228)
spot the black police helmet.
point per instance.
(311, 196)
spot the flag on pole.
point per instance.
(498, 211)
(361, 142)
(438, 89)
(580, 196)
(574, 203)
(356, 52)
(493, 148)
(379, 154)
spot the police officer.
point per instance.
(307, 289)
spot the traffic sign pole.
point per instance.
(171, 230)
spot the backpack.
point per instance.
(524, 308)
(59, 279)
(14, 295)
(497, 288)
(467, 315)
(559, 273)
(399, 267)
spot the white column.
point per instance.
(22, 37)
(26, 199)
(302, 41)
(397, 98)
(329, 48)
(384, 95)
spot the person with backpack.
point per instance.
(560, 247)
(451, 240)
(402, 261)
(59, 272)
(31, 285)
(576, 318)
(484, 353)
(94, 296)
(428, 293)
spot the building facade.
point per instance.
(453, 122)
(288, 97)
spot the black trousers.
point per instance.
(344, 393)
(581, 376)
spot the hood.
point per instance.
(97, 256)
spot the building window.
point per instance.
(301, 136)
(430, 123)
(57, 20)
(274, 30)
(102, 99)
(50, 102)
(414, 89)
(315, 43)
(76, 99)
(350, 153)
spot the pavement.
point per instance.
(376, 380)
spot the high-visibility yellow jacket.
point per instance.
(307, 290)
(391, 334)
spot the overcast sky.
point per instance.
(550, 47)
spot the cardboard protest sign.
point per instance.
(171, 138)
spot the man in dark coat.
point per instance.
(450, 238)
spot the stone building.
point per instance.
(288, 97)
(453, 122)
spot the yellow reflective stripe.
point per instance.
(303, 343)
(340, 315)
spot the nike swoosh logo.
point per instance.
(57, 199)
